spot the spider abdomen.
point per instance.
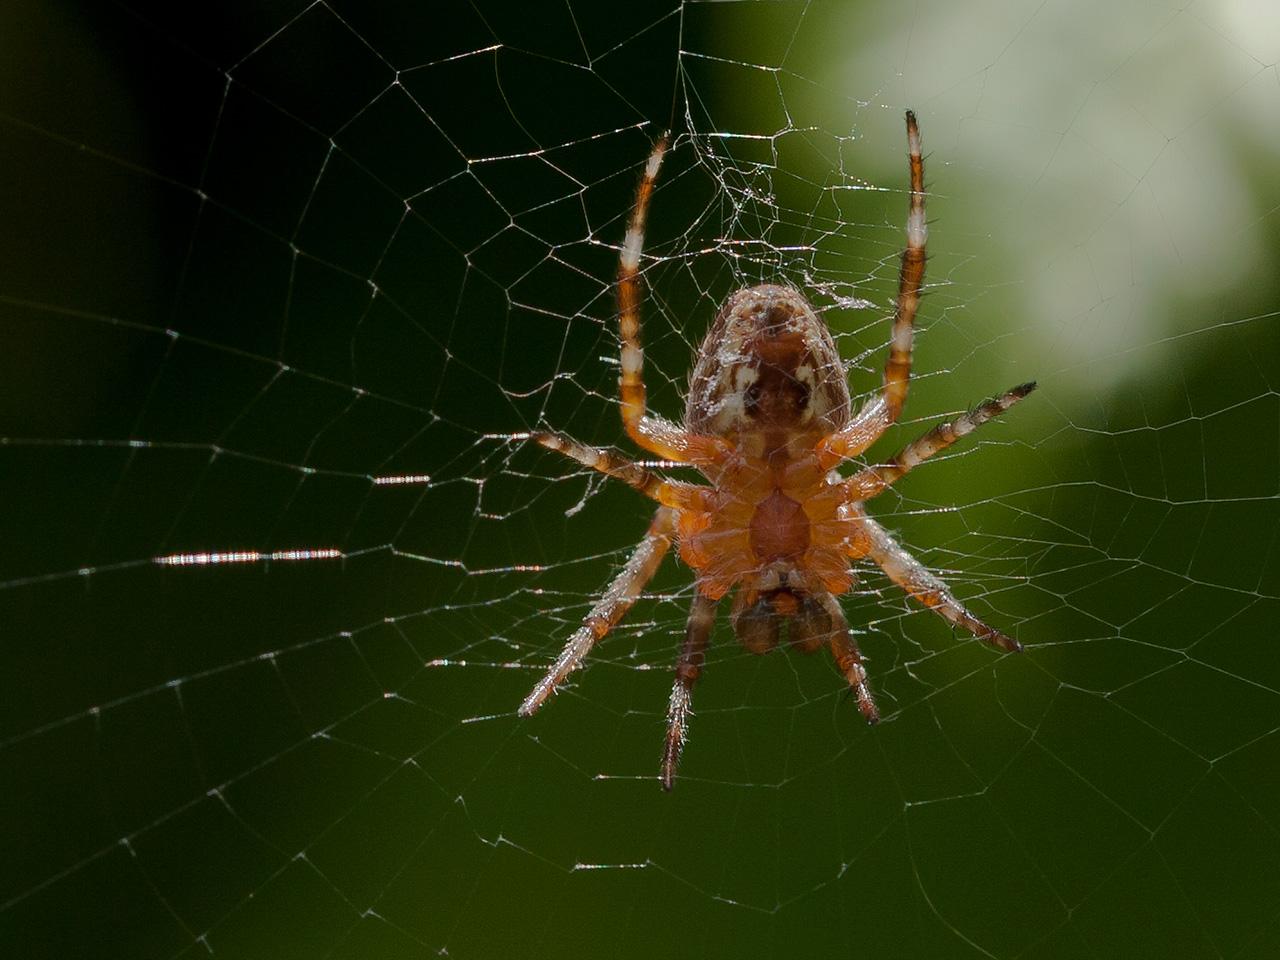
(768, 374)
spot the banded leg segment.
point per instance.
(923, 586)
(654, 434)
(866, 427)
(849, 658)
(865, 484)
(884, 408)
(897, 371)
(670, 493)
(702, 619)
(609, 609)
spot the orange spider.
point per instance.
(768, 419)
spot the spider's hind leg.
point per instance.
(653, 433)
(883, 408)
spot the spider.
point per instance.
(767, 420)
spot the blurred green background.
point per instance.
(256, 256)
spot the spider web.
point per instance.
(283, 283)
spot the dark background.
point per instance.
(254, 256)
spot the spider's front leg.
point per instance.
(609, 609)
(919, 583)
(848, 657)
(702, 618)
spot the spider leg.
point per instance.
(848, 658)
(609, 609)
(671, 493)
(654, 434)
(866, 483)
(702, 618)
(921, 585)
(883, 409)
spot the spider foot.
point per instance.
(677, 718)
(950, 608)
(856, 676)
(688, 668)
(994, 637)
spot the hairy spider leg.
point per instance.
(655, 434)
(702, 617)
(670, 493)
(871, 481)
(849, 658)
(922, 585)
(609, 609)
(884, 408)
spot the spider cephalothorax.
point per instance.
(767, 422)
